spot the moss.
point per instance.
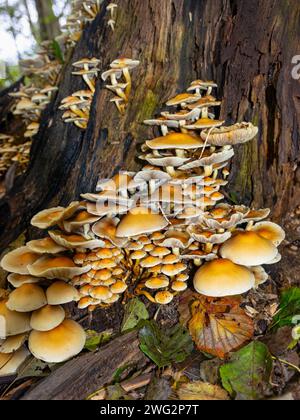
(147, 106)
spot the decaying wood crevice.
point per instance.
(247, 47)
(86, 374)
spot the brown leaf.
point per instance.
(201, 391)
(219, 326)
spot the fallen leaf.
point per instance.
(219, 326)
(247, 375)
(95, 339)
(167, 346)
(201, 391)
(289, 307)
(135, 311)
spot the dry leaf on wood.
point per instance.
(219, 326)
(201, 391)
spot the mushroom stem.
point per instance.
(152, 186)
(208, 247)
(250, 225)
(164, 130)
(215, 174)
(208, 170)
(171, 171)
(128, 80)
(180, 153)
(176, 251)
(89, 83)
(204, 113)
(197, 262)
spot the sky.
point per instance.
(25, 42)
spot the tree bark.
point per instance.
(246, 46)
(48, 22)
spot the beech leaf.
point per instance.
(247, 375)
(219, 326)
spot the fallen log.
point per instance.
(80, 377)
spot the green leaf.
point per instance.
(288, 308)
(135, 311)
(247, 374)
(165, 347)
(57, 51)
(95, 339)
(36, 368)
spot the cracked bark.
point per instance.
(247, 47)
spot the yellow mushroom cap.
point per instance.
(60, 292)
(47, 318)
(221, 277)
(159, 282)
(18, 260)
(12, 322)
(56, 267)
(27, 298)
(58, 344)
(175, 141)
(10, 362)
(118, 287)
(249, 249)
(140, 220)
(18, 280)
(271, 231)
(164, 297)
(178, 286)
(101, 293)
(45, 246)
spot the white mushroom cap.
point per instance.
(10, 362)
(60, 292)
(12, 322)
(47, 318)
(13, 343)
(59, 344)
(17, 261)
(249, 249)
(27, 298)
(221, 277)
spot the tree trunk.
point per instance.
(48, 22)
(246, 46)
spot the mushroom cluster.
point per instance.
(11, 152)
(147, 232)
(111, 8)
(82, 12)
(31, 101)
(119, 79)
(77, 106)
(34, 309)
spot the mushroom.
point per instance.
(13, 343)
(138, 221)
(45, 246)
(221, 277)
(236, 134)
(26, 298)
(183, 99)
(270, 231)
(11, 322)
(47, 318)
(249, 249)
(11, 362)
(51, 217)
(58, 344)
(125, 64)
(56, 267)
(60, 293)
(18, 260)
